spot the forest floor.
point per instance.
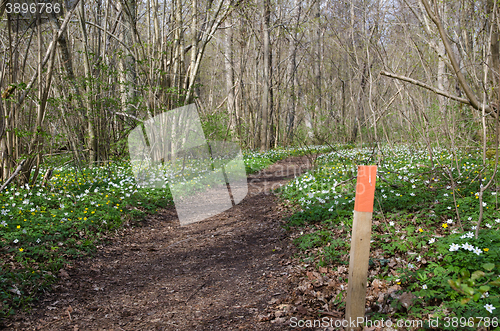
(224, 273)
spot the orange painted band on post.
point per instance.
(365, 188)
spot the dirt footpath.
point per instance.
(219, 274)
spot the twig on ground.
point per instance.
(194, 292)
(385, 180)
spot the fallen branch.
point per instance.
(379, 175)
(7, 182)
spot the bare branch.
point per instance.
(461, 78)
(428, 87)
(49, 50)
(7, 182)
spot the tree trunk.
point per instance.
(317, 59)
(292, 72)
(266, 76)
(360, 110)
(92, 137)
(228, 62)
(128, 75)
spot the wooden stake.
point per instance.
(360, 247)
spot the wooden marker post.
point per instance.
(360, 247)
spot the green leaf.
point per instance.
(464, 301)
(484, 288)
(477, 274)
(467, 290)
(476, 296)
(495, 282)
(488, 266)
(454, 284)
(465, 273)
(469, 282)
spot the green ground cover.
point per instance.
(424, 220)
(43, 228)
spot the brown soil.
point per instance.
(219, 274)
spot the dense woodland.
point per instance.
(264, 74)
(316, 87)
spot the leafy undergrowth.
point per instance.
(425, 263)
(43, 228)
